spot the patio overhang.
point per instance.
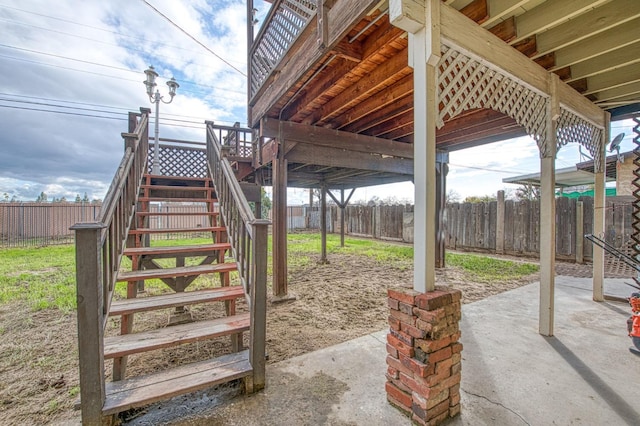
(565, 178)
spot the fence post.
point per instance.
(500, 224)
(90, 320)
(579, 232)
(258, 293)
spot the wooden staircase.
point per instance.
(124, 393)
(137, 208)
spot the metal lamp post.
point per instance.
(155, 98)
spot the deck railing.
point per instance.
(286, 20)
(239, 140)
(248, 238)
(99, 248)
(180, 158)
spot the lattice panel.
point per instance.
(465, 83)
(571, 128)
(175, 161)
(290, 18)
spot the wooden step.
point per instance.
(181, 188)
(127, 344)
(172, 300)
(143, 390)
(177, 213)
(182, 271)
(176, 230)
(168, 251)
(177, 200)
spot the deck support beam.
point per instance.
(422, 22)
(343, 205)
(442, 169)
(323, 225)
(599, 194)
(548, 213)
(279, 241)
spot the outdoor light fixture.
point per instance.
(155, 98)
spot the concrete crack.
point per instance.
(496, 403)
(381, 341)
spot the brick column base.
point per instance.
(423, 361)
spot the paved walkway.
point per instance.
(511, 375)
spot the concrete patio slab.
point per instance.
(511, 375)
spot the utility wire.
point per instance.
(164, 121)
(108, 66)
(107, 43)
(192, 37)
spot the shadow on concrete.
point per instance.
(615, 401)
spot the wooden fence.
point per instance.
(39, 224)
(474, 226)
(42, 224)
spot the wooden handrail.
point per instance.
(99, 249)
(248, 238)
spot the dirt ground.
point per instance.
(336, 302)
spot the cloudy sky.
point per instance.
(70, 74)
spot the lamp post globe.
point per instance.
(156, 98)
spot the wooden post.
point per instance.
(342, 206)
(90, 320)
(500, 224)
(548, 214)
(423, 25)
(442, 169)
(259, 305)
(599, 195)
(323, 224)
(279, 241)
(250, 18)
(579, 232)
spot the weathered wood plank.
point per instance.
(321, 136)
(183, 271)
(143, 390)
(142, 304)
(117, 346)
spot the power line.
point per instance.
(107, 43)
(164, 121)
(200, 93)
(110, 44)
(110, 66)
(192, 37)
(193, 118)
(61, 112)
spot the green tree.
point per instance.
(528, 192)
(6, 197)
(78, 199)
(85, 199)
(265, 203)
(480, 199)
(42, 198)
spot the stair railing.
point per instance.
(99, 248)
(248, 238)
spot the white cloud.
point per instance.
(94, 53)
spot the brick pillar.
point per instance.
(423, 361)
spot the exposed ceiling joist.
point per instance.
(588, 25)
(550, 14)
(607, 41)
(608, 62)
(618, 92)
(611, 80)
